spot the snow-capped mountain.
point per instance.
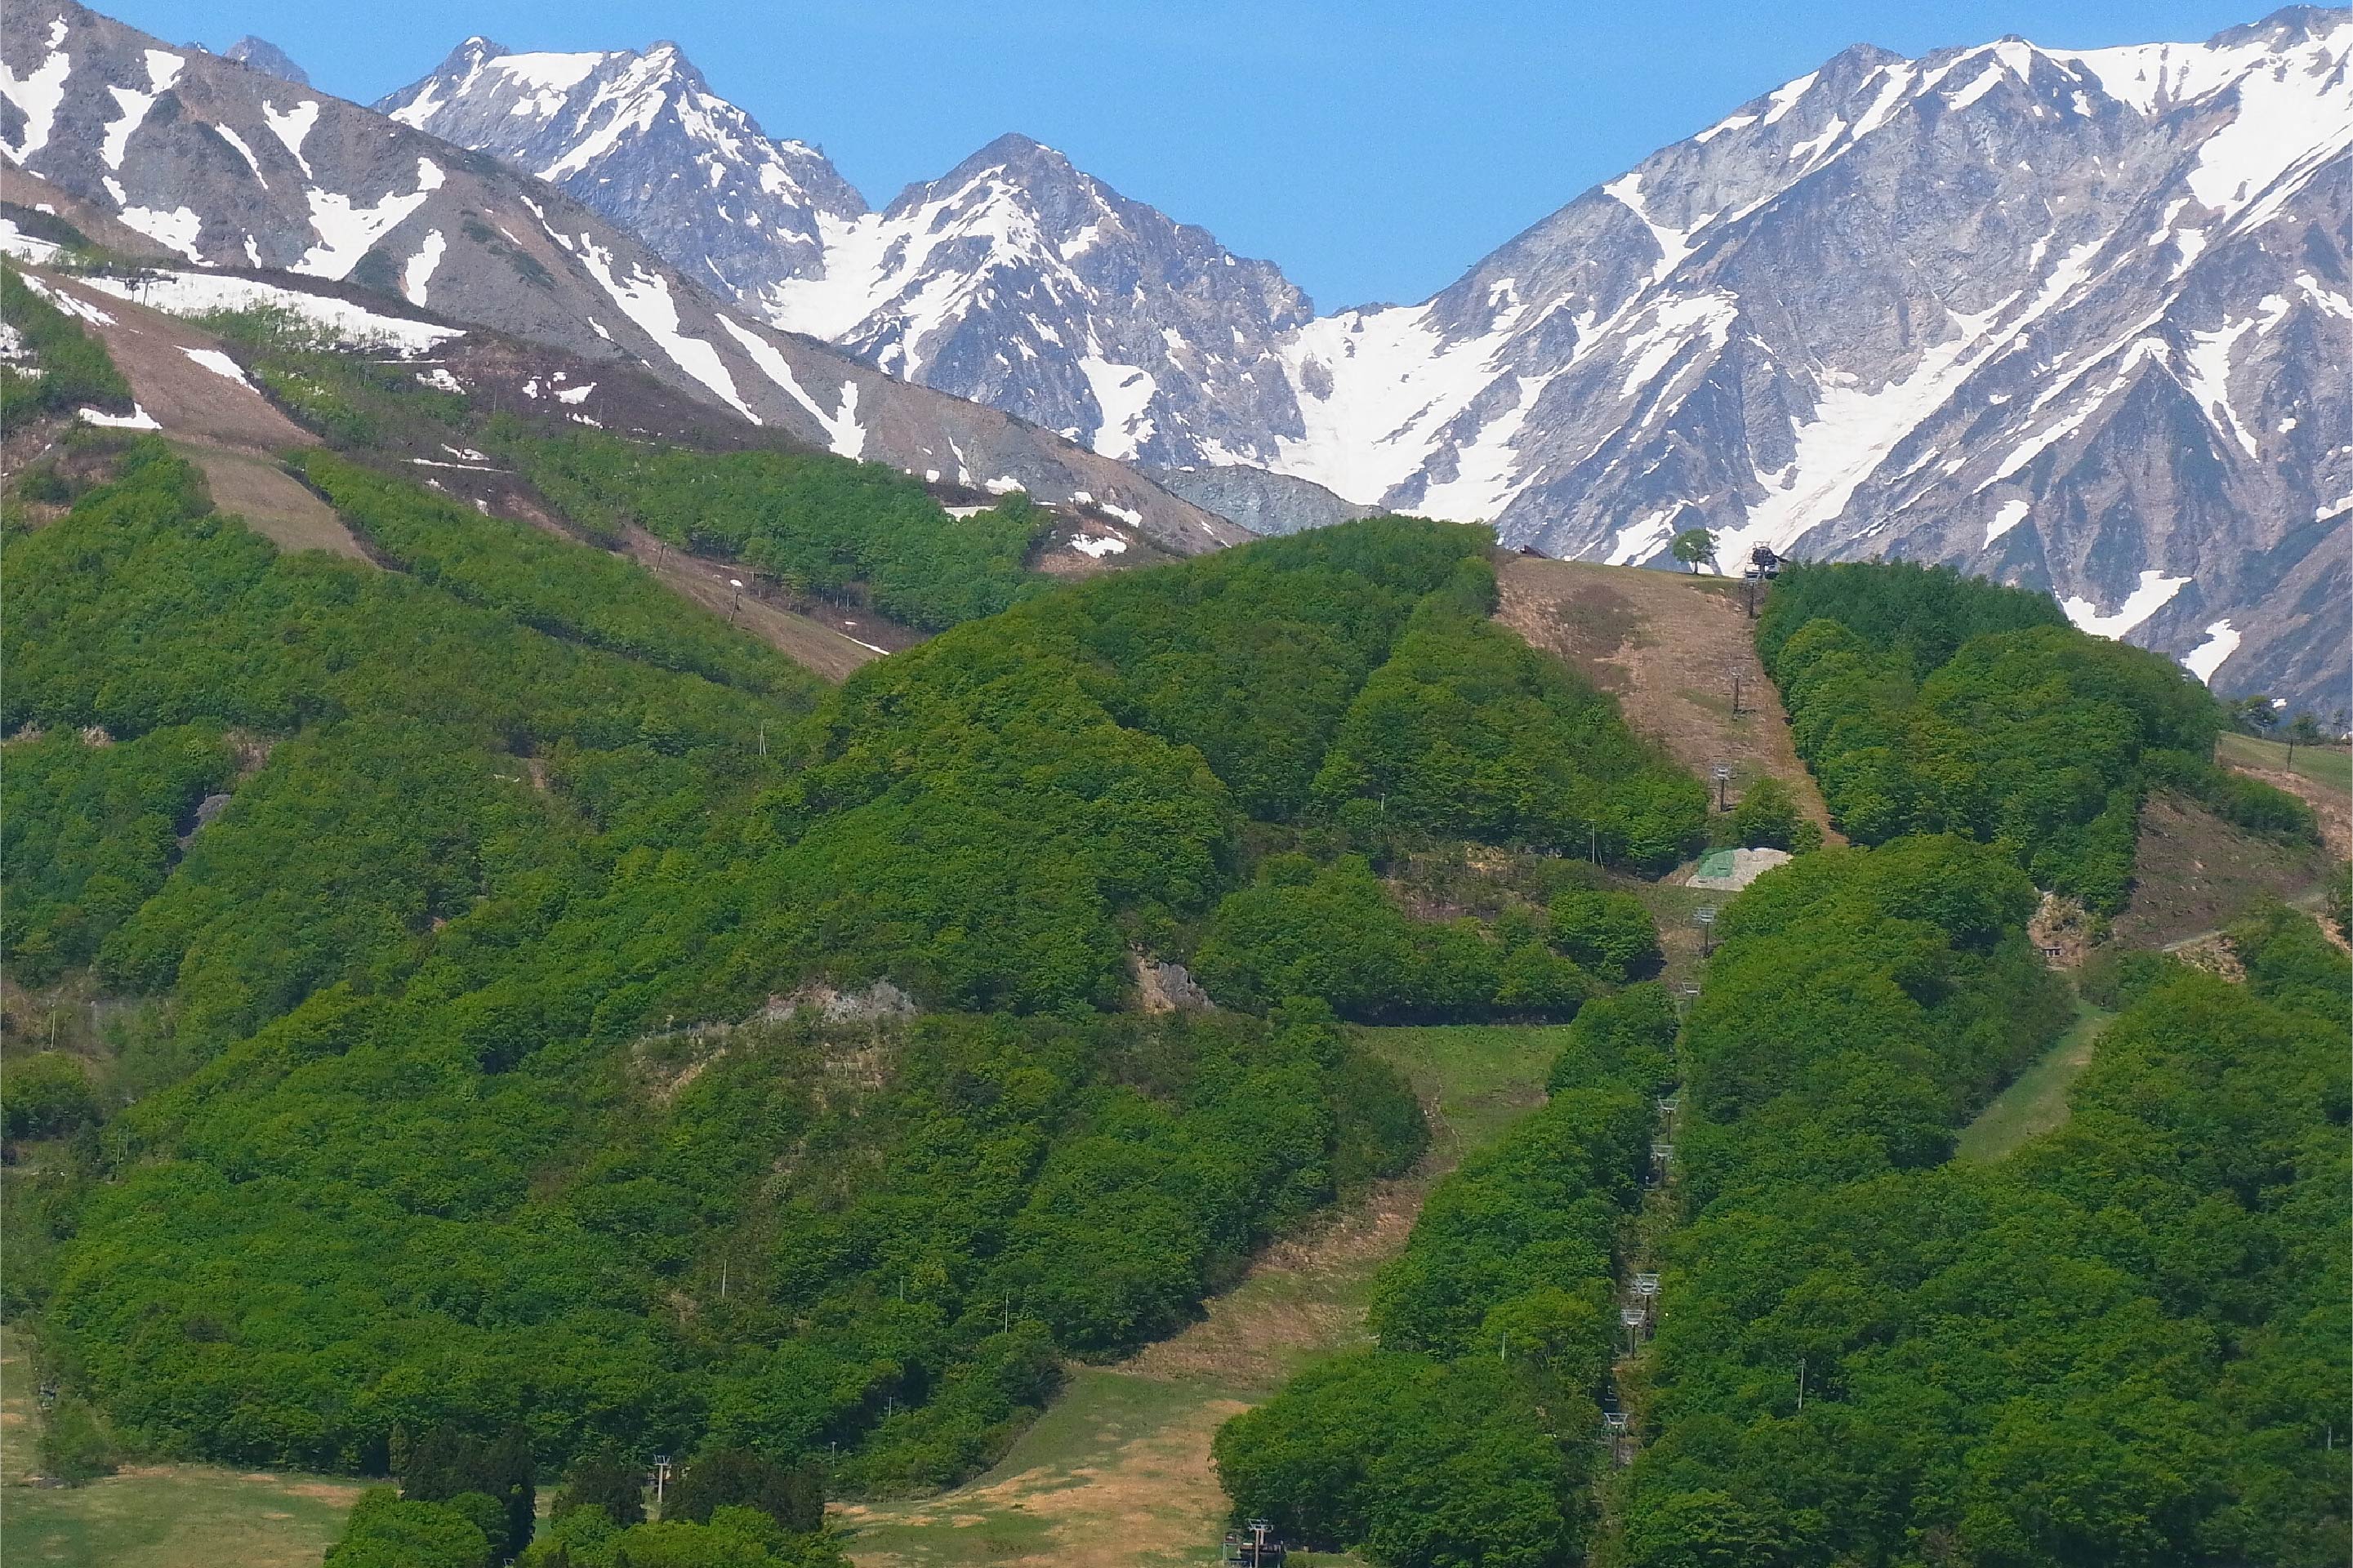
(221, 167)
(1014, 280)
(2062, 316)
(641, 139)
(2065, 319)
(1024, 283)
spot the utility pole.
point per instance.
(661, 1479)
(1802, 1384)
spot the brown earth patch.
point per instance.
(1669, 646)
(833, 652)
(826, 641)
(151, 349)
(272, 502)
(222, 425)
(2193, 873)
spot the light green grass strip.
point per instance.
(2036, 1103)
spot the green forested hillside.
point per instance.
(818, 522)
(2126, 1343)
(443, 1124)
(1466, 1435)
(1926, 702)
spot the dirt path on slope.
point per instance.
(1669, 646)
(1118, 1472)
(833, 652)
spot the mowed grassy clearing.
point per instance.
(2330, 765)
(2036, 1101)
(154, 1516)
(1118, 1470)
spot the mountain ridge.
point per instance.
(1786, 328)
(229, 169)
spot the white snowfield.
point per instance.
(220, 363)
(351, 325)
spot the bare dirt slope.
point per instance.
(218, 421)
(2194, 873)
(2330, 806)
(1669, 646)
(271, 500)
(832, 652)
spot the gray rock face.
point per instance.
(2064, 317)
(1262, 501)
(262, 55)
(226, 167)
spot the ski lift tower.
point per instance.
(1254, 1546)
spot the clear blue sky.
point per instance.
(1372, 148)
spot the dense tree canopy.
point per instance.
(1927, 702)
(443, 1134)
(820, 523)
(1464, 1436)
(2126, 1343)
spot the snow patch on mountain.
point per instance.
(645, 298)
(348, 231)
(293, 127)
(2155, 589)
(2012, 514)
(844, 435)
(350, 325)
(2209, 656)
(220, 363)
(37, 95)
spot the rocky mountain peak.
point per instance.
(261, 55)
(641, 138)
